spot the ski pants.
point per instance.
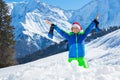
(81, 61)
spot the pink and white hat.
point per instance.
(76, 24)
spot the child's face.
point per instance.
(75, 29)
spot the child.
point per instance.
(75, 40)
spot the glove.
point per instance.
(96, 25)
(50, 33)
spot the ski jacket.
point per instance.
(75, 41)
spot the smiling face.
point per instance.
(75, 30)
(76, 27)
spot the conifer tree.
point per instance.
(7, 43)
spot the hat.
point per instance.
(76, 24)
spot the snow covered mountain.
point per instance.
(31, 31)
(109, 13)
(102, 55)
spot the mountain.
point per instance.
(102, 55)
(31, 31)
(109, 11)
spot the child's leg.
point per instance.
(70, 60)
(82, 62)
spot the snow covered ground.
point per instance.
(102, 54)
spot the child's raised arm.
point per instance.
(60, 31)
(90, 27)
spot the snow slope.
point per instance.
(102, 55)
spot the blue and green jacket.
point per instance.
(75, 41)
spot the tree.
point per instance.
(7, 42)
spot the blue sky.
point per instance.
(64, 4)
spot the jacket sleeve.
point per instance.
(88, 29)
(61, 32)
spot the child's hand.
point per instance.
(48, 22)
(97, 17)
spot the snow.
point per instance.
(103, 60)
(102, 54)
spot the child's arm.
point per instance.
(90, 27)
(60, 31)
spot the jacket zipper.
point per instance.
(76, 45)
